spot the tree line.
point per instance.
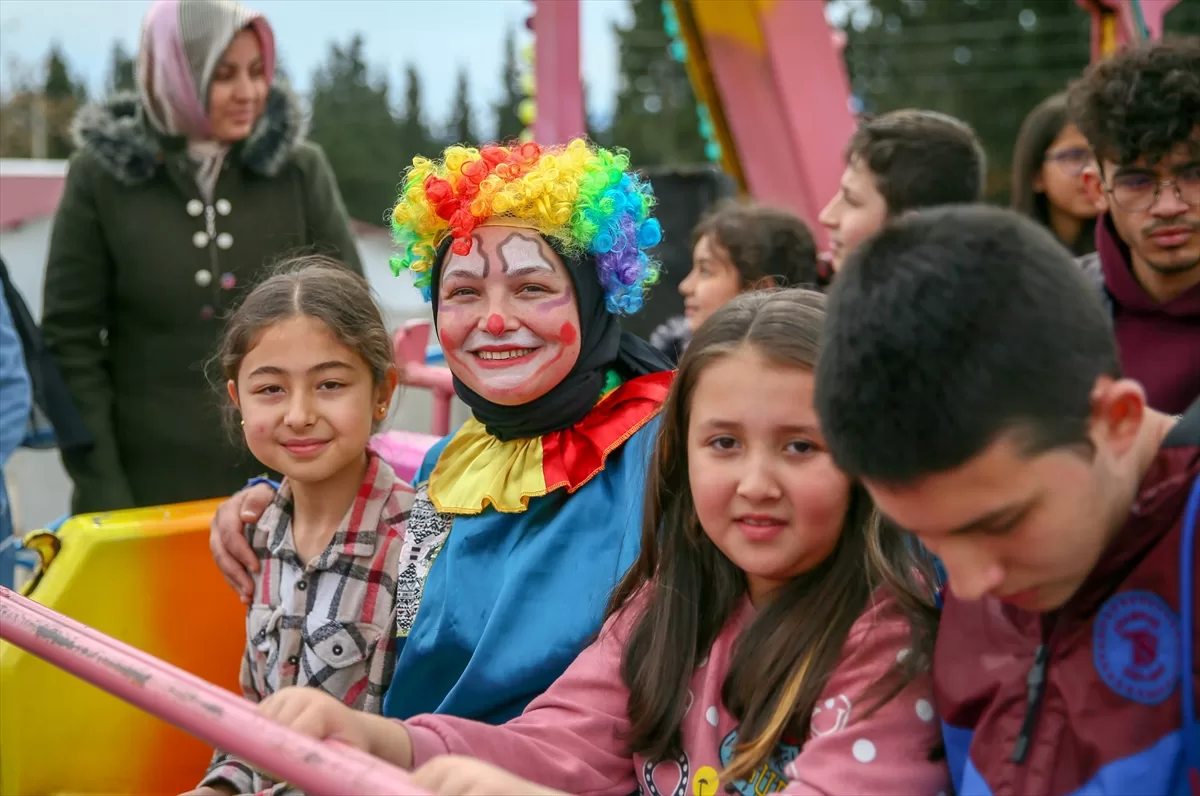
(986, 61)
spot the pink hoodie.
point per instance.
(572, 737)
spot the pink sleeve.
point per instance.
(571, 738)
(883, 753)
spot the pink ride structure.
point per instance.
(204, 710)
(772, 84)
(775, 107)
(405, 450)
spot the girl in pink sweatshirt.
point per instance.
(769, 637)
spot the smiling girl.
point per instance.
(767, 638)
(308, 366)
(738, 246)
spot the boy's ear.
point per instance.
(1118, 411)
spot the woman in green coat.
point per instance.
(177, 199)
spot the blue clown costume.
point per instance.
(527, 517)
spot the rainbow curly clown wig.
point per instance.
(581, 198)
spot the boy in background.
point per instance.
(898, 162)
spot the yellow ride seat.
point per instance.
(145, 577)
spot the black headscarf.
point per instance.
(602, 347)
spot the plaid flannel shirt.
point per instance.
(328, 624)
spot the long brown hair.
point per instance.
(1043, 124)
(784, 658)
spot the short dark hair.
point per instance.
(1140, 103)
(949, 329)
(920, 159)
(762, 242)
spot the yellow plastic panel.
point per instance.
(145, 577)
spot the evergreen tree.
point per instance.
(281, 71)
(415, 137)
(655, 116)
(508, 123)
(61, 97)
(461, 129)
(987, 62)
(58, 76)
(1183, 19)
(352, 120)
(120, 70)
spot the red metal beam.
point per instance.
(560, 112)
(1116, 23)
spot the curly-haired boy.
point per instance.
(1140, 111)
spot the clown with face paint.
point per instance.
(525, 518)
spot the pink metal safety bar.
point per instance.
(409, 344)
(200, 708)
(560, 112)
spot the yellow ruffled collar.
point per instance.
(475, 470)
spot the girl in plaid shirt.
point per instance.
(309, 368)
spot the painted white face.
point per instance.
(508, 320)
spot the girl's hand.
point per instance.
(318, 715)
(451, 775)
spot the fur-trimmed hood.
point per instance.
(118, 135)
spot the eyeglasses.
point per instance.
(1138, 192)
(1072, 161)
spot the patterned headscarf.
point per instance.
(182, 43)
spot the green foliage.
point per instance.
(352, 120)
(120, 70)
(461, 129)
(508, 123)
(59, 84)
(1183, 19)
(987, 62)
(415, 137)
(655, 116)
(61, 97)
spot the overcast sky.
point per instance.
(438, 35)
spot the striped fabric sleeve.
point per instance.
(279, 789)
(225, 769)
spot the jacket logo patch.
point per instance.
(1136, 646)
